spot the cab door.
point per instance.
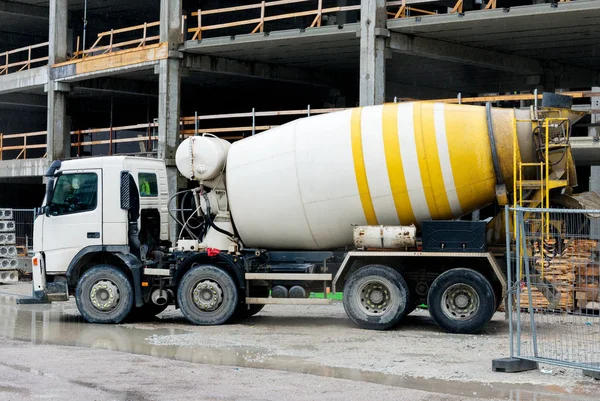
(73, 218)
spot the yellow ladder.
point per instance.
(545, 183)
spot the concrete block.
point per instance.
(513, 365)
(11, 276)
(8, 251)
(8, 264)
(592, 373)
(7, 226)
(7, 239)
(6, 214)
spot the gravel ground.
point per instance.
(310, 346)
(29, 372)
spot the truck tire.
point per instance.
(104, 295)
(207, 295)
(461, 301)
(376, 297)
(145, 312)
(245, 311)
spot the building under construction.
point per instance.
(84, 78)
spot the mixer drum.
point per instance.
(304, 184)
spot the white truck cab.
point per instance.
(82, 219)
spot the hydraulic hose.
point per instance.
(210, 220)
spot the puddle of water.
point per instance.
(60, 324)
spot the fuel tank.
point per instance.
(303, 185)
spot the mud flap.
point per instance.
(53, 292)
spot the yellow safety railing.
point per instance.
(144, 34)
(7, 66)
(316, 9)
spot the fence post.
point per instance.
(262, 17)
(308, 110)
(1, 149)
(76, 49)
(253, 121)
(111, 41)
(320, 13)
(25, 147)
(196, 122)
(144, 38)
(198, 34)
(6, 70)
(29, 58)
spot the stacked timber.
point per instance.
(587, 292)
(560, 276)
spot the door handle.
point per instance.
(93, 235)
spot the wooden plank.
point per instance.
(289, 276)
(288, 301)
(229, 129)
(130, 28)
(482, 99)
(126, 43)
(262, 114)
(20, 49)
(119, 59)
(248, 7)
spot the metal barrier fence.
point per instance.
(23, 219)
(553, 300)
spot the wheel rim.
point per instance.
(207, 295)
(460, 302)
(104, 295)
(375, 298)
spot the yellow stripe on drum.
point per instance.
(444, 159)
(359, 168)
(429, 163)
(394, 164)
(469, 149)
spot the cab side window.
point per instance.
(74, 193)
(148, 184)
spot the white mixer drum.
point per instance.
(304, 184)
(202, 158)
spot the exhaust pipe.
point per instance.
(161, 297)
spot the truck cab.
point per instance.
(82, 223)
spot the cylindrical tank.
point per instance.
(304, 184)
(202, 158)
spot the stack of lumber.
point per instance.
(588, 274)
(562, 274)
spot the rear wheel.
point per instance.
(376, 297)
(104, 295)
(461, 301)
(207, 295)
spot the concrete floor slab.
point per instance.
(23, 168)
(327, 47)
(24, 80)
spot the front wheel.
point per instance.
(104, 295)
(245, 311)
(376, 297)
(207, 295)
(461, 301)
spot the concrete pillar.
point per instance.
(373, 34)
(169, 84)
(58, 137)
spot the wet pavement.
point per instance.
(61, 324)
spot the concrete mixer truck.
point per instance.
(365, 201)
